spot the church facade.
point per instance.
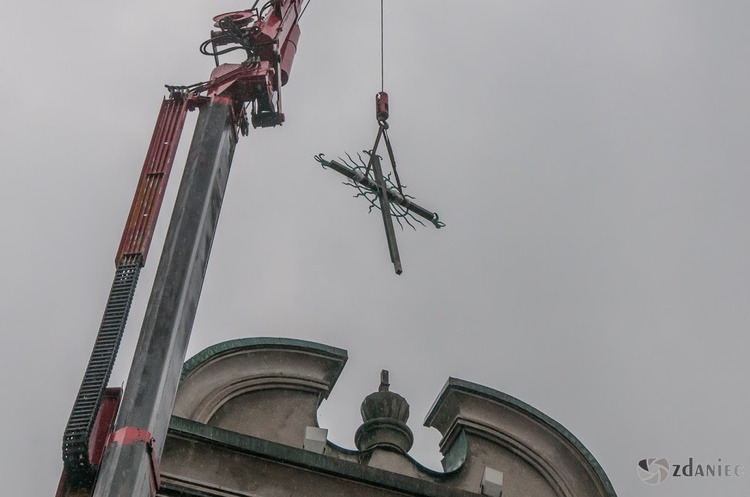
(245, 424)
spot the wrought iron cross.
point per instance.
(384, 193)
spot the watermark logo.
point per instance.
(653, 470)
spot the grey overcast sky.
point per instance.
(590, 159)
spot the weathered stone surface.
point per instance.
(384, 414)
(482, 427)
(385, 405)
(243, 407)
(265, 387)
(201, 460)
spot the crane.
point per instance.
(113, 440)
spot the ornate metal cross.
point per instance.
(383, 192)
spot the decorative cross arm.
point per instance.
(393, 195)
(392, 202)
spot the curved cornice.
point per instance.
(464, 407)
(224, 371)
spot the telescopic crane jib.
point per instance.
(128, 465)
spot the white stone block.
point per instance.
(492, 482)
(315, 439)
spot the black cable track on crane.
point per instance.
(86, 407)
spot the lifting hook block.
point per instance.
(381, 107)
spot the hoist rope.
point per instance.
(382, 57)
(304, 9)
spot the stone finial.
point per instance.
(384, 414)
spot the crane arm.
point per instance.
(269, 36)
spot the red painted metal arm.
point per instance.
(270, 39)
(144, 211)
